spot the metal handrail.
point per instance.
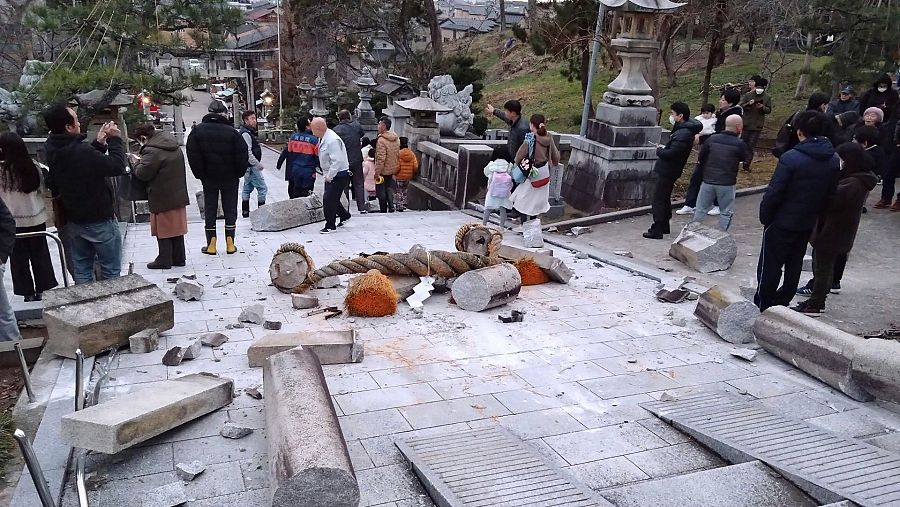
(60, 246)
(34, 468)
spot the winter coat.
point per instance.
(332, 155)
(721, 115)
(845, 127)
(369, 175)
(787, 135)
(79, 172)
(387, 153)
(517, 131)
(720, 158)
(674, 155)
(351, 133)
(251, 139)
(409, 165)
(497, 166)
(29, 209)
(162, 168)
(798, 192)
(302, 156)
(755, 115)
(836, 229)
(886, 101)
(838, 106)
(7, 233)
(545, 149)
(527, 199)
(216, 151)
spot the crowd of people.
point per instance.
(830, 156)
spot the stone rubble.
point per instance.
(578, 231)
(187, 290)
(174, 356)
(144, 341)
(254, 314)
(188, 471)
(304, 301)
(272, 325)
(193, 350)
(168, 495)
(213, 339)
(745, 354)
(223, 282)
(234, 431)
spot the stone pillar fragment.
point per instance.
(486, 288)
(728, 314)
(281, 215)
(703, 248)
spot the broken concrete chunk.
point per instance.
(331, 347)
(553, 267)
(188, 471)
(313, 466)
(304, 301)
(192, 351)
(704, 249)
(807, 263)
(582, 255)
(272, 325)
(667, 396)
(287, 214)
(329, 282)
(728, 314)
(745, 354)
(223, 282)
(174, 356)
(624, 253)
(876, 367)
(122, 422)
(188, 290)
(99, 316)
(578, 231)
(213, 339)
(486, 288)
(169, 495)
(254, 314)
(254, 393)
(235, 431)
(144, 341)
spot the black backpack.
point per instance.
(786, 138)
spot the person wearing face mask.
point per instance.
(161, 166)
(757, 105)
(669, 166)
(881, 95)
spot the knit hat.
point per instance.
(877, 112)
(217, 107)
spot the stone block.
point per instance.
(309, 463)
(192, 351)
(253, 314)
(304, 301)
(102, 315)
(807, 263)
(728, 314)
(876, 367)
(188, 471)
(144, 341)
(188, 290)
(486, 288)
(288, 270)
(123, 422)
(404, 285)
(553, 267)
(331, 347)
(599, 178)
(201, 205)
(820, 350)
(618, 115)
(623, 136)
(213, 339)
(168, 495)
(31, 348)
(704, 248)
(281, 215)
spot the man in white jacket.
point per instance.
(336, 169)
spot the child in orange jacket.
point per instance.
(409, 166)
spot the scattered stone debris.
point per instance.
(329, 282)
(553, 228)
(253, 314)
(189, 277)
(679, 322)
(581, 255)
(632, 360)
(304, 301)
(188, 471)
(213, 339)
(272, 325)
(554, 308)
(578, 231)
(188, 290)
(169, 495)
(223, 282)
(745, 354)
(254, 393)
(192, 351)
(173, 357)
(667, 396)
(624, 253)
(234, 431)
(144, 341)
(669, 312)
(96, 481)
(672, 296)
(598, 265)
(173, 280)
(514, 316)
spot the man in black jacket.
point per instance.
(720, 157)
(670, 165)
(218, 157)
(9, 328)
(518, 125)
(351, 133)
(804, 180)
(78, 176)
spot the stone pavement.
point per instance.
(869, 296)
(568, 379)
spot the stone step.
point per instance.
(827, 466)
(749, 484)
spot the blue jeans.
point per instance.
(101, 240)
(710, 194)
(9, 328)
(253, 178)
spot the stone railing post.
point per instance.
(470, 172)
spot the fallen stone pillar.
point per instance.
(553, 267)
(728, 314)
(486, 288)
(102, 315)
(128, 420)
(201, 205)
(704, 249)
(820, 350)
(331, 347)
(309, 464)
(876, 367)
(281, 215)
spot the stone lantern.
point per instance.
(612, 167)
(422, 124)
(365, 115)
(319, 95)
(397, 88)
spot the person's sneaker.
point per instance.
(326, 230)
(714, 212)
(883, 204)
(836, 288)
(804, 291)
(364, 212)
(685, 210)
(808, 309)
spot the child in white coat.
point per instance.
(500, 184)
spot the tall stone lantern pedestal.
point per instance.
(612, 166)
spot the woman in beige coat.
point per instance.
(539, 147)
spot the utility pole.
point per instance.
(598, 31)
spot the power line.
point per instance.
(91, 36)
